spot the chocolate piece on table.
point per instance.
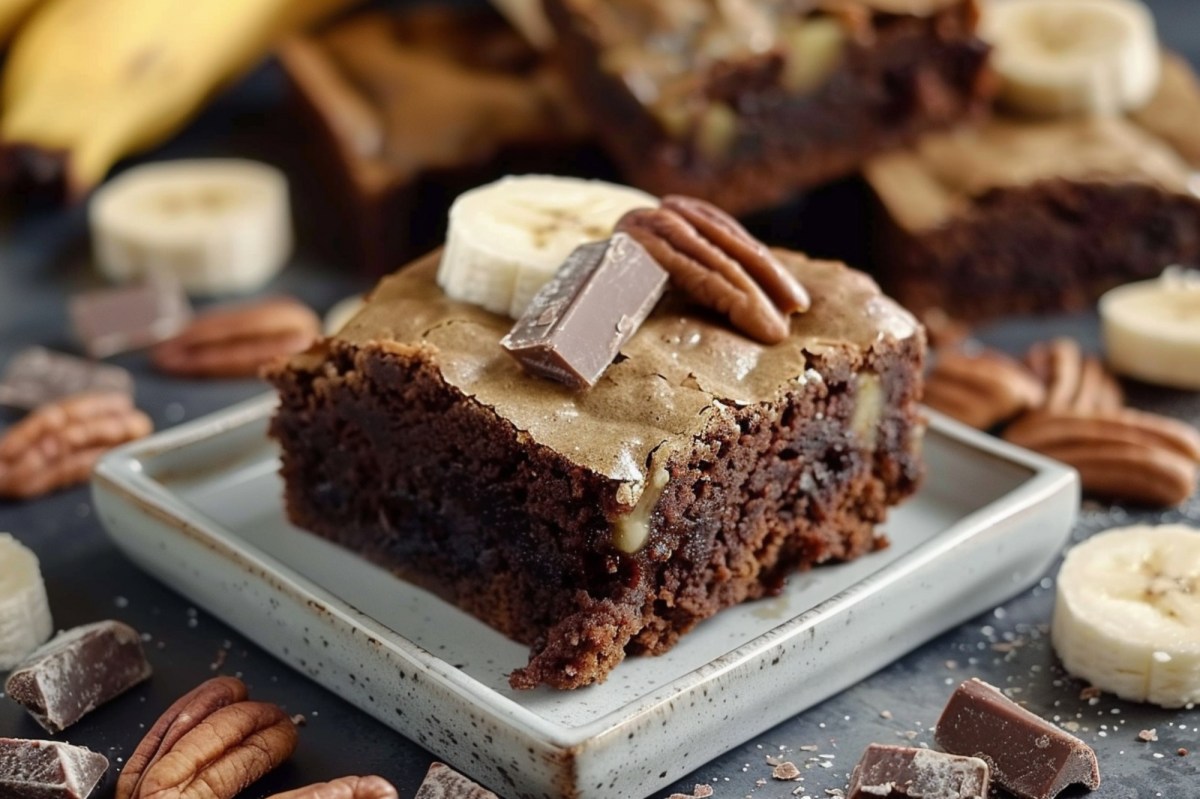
(578, 322)
(77, 671)
(744, 104)
(37, 376)
(413, 107)
(1022, 215)
(48, 769)
(109, 321)
(901, 772)
(1028, 756)
(443, 782)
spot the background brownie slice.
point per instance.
(1021, 215)
(701, 471)
(416, 106)
(743, 109)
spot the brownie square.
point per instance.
(701, 471)
(745, 104)
(412, 108)
(1025, 216)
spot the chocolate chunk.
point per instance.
(905, 772)
(37, 376)
(77, 671)
(130, 317)
(1029, 756)
(578, 322)
(48, 769)
(443, 782)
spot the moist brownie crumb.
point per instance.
(701, 471)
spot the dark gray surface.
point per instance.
(44, 258)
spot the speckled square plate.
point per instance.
(200, 507)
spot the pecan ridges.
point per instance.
(211, 744)
(58, 444)
(344, 788)
(1074, 381)
(981, 390)
(238, 341)
(716, 261)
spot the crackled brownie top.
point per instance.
(676, 373)
(939, 177)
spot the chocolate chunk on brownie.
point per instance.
(1022, 215)
(414, 107)
(743, 104)
(701, 470)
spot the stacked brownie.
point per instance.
(700, 471)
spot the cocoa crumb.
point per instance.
(1181, 752)
(785, 771)
(702, 791)
(1148, 735)
(1091, 692)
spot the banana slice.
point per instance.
(1127, 616)
(1152, 329)
(506, 239)
(1073, 56)
(220, 226)
(25, 622)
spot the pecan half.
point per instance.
(720, 265)
(344, 788)
(210, 744)
(1074, 381)
(57, 445)
(237, 341)
(1125, 454)
(981, 390)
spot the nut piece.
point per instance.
(1125, 454)
(210, 744)
(57, 445)
(981, 390)
(720, 265)
(344, 788)
(237, 341)
(1074, 382)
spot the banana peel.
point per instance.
(89, 82)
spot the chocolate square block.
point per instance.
(701, 471)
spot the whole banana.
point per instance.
(91, 81)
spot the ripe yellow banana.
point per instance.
(12, 14)
(91, 81)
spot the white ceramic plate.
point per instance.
(200, 507)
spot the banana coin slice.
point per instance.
(1073, 56)
(220, 226)
(25, 622)
(1152, 329)
(1127, 614)
(507, 239)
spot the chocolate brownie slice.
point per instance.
(701, 471)
(745, 103)
(1023, 216)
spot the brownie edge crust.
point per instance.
(689, 480)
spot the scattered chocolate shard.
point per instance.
(48, 769)
(907, 772)
(37, 376)
(109, 321)
(577, 323)
(77, 671)
(1029, 757)
(443, 782)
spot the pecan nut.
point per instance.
(238, 341)
(1074, 382)
(211, 744)
(1125, 454)
(720, 265)
(982, 389)
(57, 445)
(344, 788)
